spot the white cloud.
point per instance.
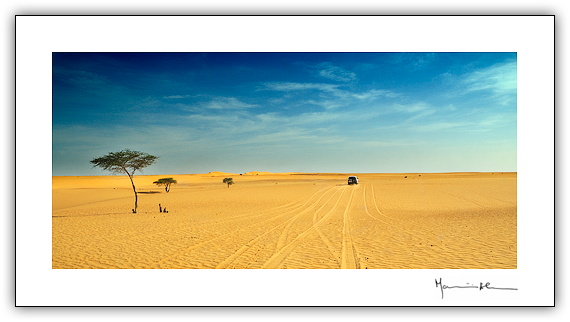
(327, 70)
(316, 118)
(289, 134)
(292, 87)
(80, 78)
(182, 96)
(379, 144)
(215, 103)
(216, 120)
(412, 108)
(439, 126)
(413, 60)
(227, 103)
(499, 78)
(328, 104)
(482, 124)
(499, 120)
(375, 93)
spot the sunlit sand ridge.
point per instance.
(459, 220)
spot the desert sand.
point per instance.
(291, 220)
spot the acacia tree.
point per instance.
(229, 181)
(165, 182)
(126, 161)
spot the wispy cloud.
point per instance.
(440, 126)
(176, 96)
(227, 103)
(327, 104)
(498, 81)
(413, 108)
(499, 78)
(291, 135)
(330, 96)
(414, 60)
(182, 96)
(213, 121)
(328, 70)
(80, 78)
(423, 58)
(375, 93)
(292, 87)
(212, 103)
(472, 123)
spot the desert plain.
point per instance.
(287, 220)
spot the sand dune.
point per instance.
(265, 220)
(218, 173)
(256, 173)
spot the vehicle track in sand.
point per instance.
(244, 229)
(426, 246)
(291, 206)
(282, 237)
(249, 220)
(349, 257)
(279, 257)
(387, 220)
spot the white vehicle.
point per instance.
(352, 180)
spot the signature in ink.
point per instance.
(481, 286)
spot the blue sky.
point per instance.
(282, 112)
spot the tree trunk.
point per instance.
(135, 190)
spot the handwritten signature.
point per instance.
(481, 286)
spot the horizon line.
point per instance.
(290, 173)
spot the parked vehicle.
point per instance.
(352, 180)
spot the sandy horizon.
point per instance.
(287, 220)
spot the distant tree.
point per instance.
(229, 181)
(165, 182)
(126, 161)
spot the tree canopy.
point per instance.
(127, 161)
(165, 182)
(229, 181)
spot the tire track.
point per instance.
(397, 227)
(90, 203)
(191, 248)
(478, 204)
(128, 236)
(375, 204)
(228, 261)
(348, 253)
(391, 219)
(282, 237)
(279, 257)
(379, 212)
(329, 244)
(134, 235)
(275, 209)
(325, 240)
(491, 200)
